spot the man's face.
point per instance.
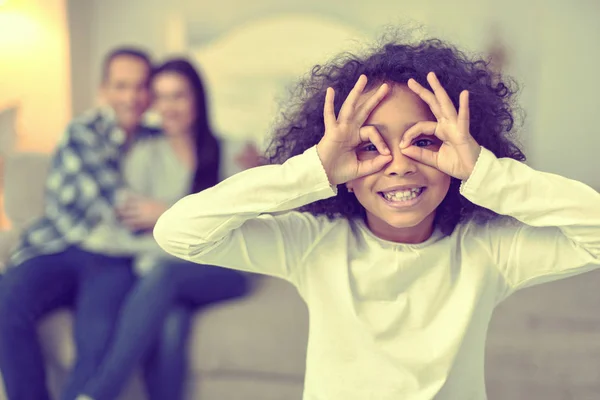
(125, 89)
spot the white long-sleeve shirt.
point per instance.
(388, 320)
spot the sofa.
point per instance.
(252, 348)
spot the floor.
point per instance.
(544, 343)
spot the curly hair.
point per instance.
(492, 108)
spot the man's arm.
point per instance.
(84, 170)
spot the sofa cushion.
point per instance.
(8, 240)
(24, 181)
(248, 387)
(265, 332)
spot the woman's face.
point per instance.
(174, 102)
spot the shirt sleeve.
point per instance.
(554, 231)
(243, 223)
(83, 172)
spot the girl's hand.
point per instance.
(459, 151)
(337, 148)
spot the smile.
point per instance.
(402, 198)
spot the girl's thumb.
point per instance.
(421, 155)
(371, 166)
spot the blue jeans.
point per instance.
(154, 325)
(94, 285)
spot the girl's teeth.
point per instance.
(404, 195)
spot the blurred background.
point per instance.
(51, 52)
(544, 342)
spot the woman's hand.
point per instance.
(459, 150)
(344, 133)
(249, 157)
(140, 213)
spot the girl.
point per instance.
(416, 220)
(164, 169)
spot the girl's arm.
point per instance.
(559, 230)
(559, 233)
(231, 224)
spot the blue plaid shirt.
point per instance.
(84, 177)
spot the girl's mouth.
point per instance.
(403, 198)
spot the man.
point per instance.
(58, 263)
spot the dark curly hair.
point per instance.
(491, 110)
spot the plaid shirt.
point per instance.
(82, 182)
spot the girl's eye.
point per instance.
(423, 142)
(368, 147)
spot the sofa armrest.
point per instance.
(24, 203)
(8, 239)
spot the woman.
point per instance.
(161, 170)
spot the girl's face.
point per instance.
(174, 102)
(400, 200)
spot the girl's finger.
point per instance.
(363, 112)
(427, 96)
(463, 112)
(349, 105)
(420, 128)
(422, 155)
(370, 166)
(371, 134)
(328, 108)
(446, 105)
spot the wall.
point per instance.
(545, 39)
(34, 69)
(566, 130)
(80, 25)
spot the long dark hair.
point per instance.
(208, 152)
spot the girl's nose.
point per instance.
(400, 164)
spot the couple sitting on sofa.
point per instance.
(110, 179)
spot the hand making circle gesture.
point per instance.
(337, 148)
(459, 150)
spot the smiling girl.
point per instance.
(400, 209)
